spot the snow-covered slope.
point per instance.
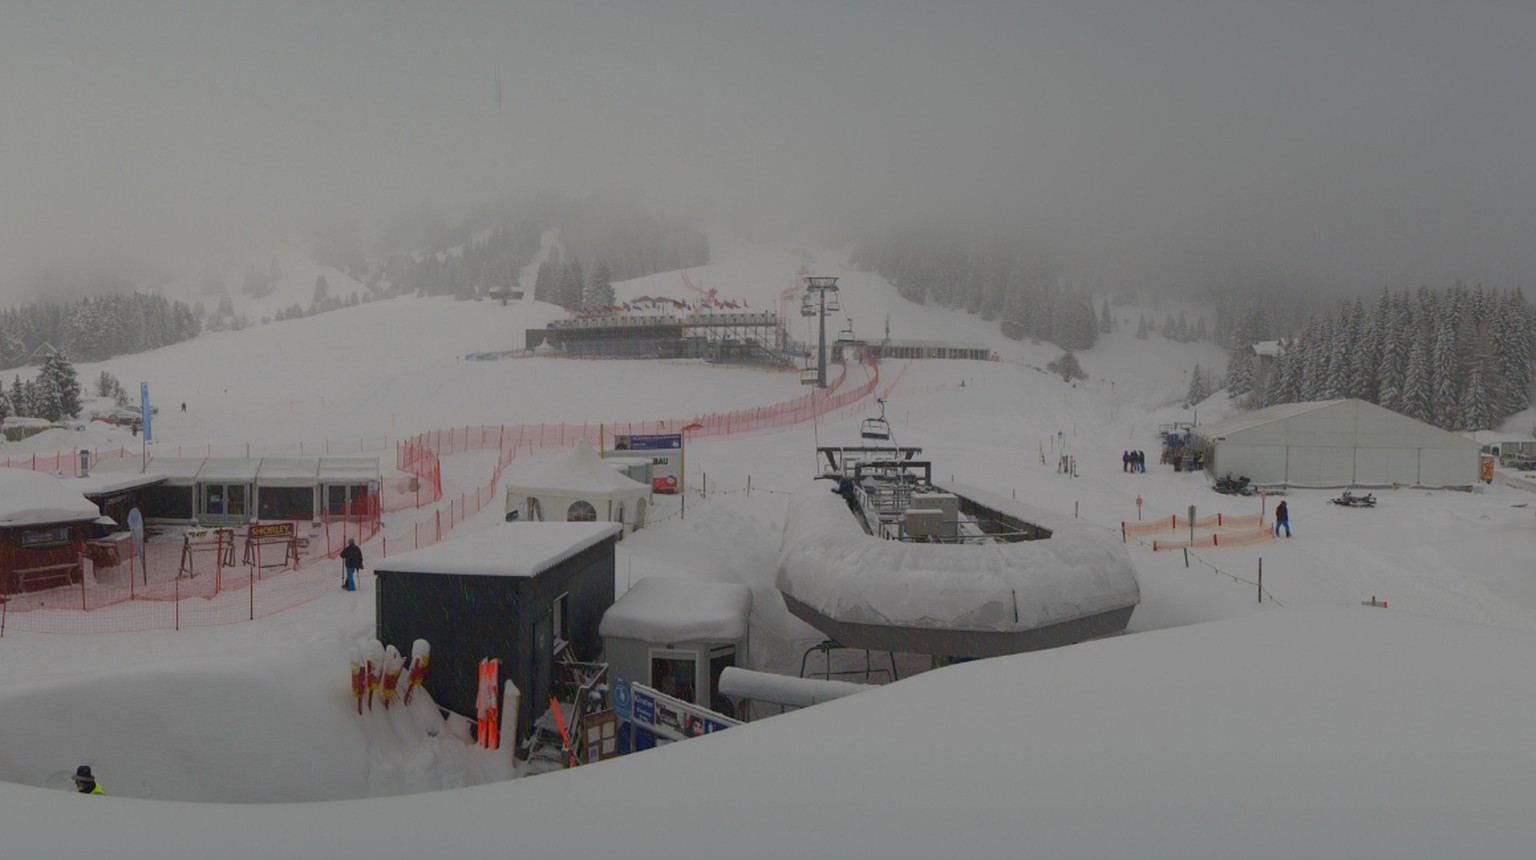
(1309, 727)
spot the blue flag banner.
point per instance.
(144, 411)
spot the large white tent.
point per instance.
(1336, 443)
(574, 485)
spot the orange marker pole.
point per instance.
(554, 705)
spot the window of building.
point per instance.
(675, 674)
(581, 512)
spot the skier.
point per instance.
(183, 407)
(1125, 461)
(1282, 518)
(85, 781)
(352, 559)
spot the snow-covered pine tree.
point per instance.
(1278, 388)
(1417, 400)
(1512, 331)
(1106, 321)
(1141, 327)
(1312, 361)
(1445, 375)
(543, 285)
(1067, 365)
(58, 391)
(1197, 388)
(599, 292)
(1476, 404)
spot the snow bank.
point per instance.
(828, 562)
(33, 498)
(661, 609)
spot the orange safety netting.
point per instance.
(222, 580)
(1174, 522)
(1248, 538)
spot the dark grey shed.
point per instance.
(521, 592)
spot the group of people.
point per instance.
(1133, 461)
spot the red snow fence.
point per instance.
(203, 577)
(1234, 539)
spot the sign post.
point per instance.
(665, 451)
(1191, 523)
(1138, 509)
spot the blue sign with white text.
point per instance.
(623, 699)
(656, 443)
(144, 411)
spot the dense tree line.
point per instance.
(94, 328)
(994, 279)
(1459, 359)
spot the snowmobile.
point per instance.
(1234, 486)
(1351, 500)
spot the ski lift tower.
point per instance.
(825, 291)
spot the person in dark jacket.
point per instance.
(1282, 519)
(352, 559)
(85, 781)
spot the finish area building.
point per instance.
(1337, 443)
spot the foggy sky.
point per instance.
(1365, 144)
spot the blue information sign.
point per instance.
(656, 443)
(623, 699)
(145, 411)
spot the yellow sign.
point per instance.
(265, 530)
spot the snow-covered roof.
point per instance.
(229, 469)
(512, 550)
(30, 498)
(268, 471)
(179, 471)
(288, 471)
(1259, 417)
(1344, 422)
(1267, 348)
(348, 470)
(578, 470)
(662, 609)
(830, 563)
(101, 484)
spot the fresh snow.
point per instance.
(519, 550)
(1218, 726)
(658, 609)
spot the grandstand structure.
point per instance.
(727, 338)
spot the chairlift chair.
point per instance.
(833, 305)
(809, 376)
(807, 305)
(876, 428)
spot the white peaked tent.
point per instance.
(572, 486)
(1336, 443)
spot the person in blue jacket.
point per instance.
(1282, 519)
(352, 559)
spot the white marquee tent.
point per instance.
(574, 485)
(1335, 443)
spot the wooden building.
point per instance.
(43, 529)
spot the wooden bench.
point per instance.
(63, 571)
